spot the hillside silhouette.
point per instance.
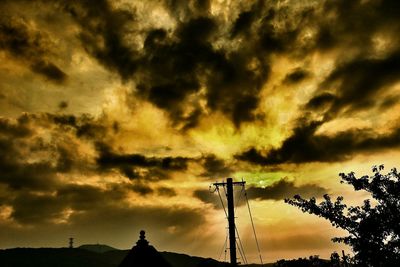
(99, 248)
(81, 257)
(84, 257)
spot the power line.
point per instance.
(229, 215)
(222, 202)
(254, 229)
(237, 231)
(240, 197)
(224, 247)
(240, 247)
(241, 253)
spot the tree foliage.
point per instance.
(312, 261)
(373, 227)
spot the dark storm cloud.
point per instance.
(184, 9)
(84, 126)
(213, 198)
(389, 101)
(176, 69)
(321, 101)
(141, 167)
(215, 167)
(304, 145)
(15, 172)
(174, 65)
(108, 158)
(296, 76)
(224, 62)
(281, 41)
(105, 206)
(91, 203)
(30, 208)
(159, 221)
(353, 24)
(277, 191)
(64, 159)
(17, 175)
(360, 81)
(166, 228)
(361, 74)
(49, 70)
(87, 129)
(29, 46)
(283, 189)
(142, 189)
(34, 189)
(103, 29)
(37, 195)
(22, 139)
(63, 105)
(243, 23)
(166, 191)
(18, 129)
(31, 156)
(356, 80)
(138, 166)
(85, 197)
(207, 197)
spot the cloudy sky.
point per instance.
(116, 116)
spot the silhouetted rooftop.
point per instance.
(144, 255)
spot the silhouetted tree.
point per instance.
(335, 259)
(374, 227)
(303, 262)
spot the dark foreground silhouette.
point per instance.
(373, 227)
(64, 257)
(143, 255)
(78, 257)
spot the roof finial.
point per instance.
(142, 235)
(142, 239)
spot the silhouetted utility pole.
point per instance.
(71, 242)
(231, 221)
(231, 216)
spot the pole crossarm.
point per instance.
(233, 183)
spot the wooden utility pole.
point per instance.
(231, 221)
(231, 216)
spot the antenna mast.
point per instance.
(71, 242)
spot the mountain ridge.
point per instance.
(99, 248)
(88, 256)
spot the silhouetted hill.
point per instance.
(183, 260)
(99, 248)
(51, 257)
(88, 256)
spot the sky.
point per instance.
(117, 116)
